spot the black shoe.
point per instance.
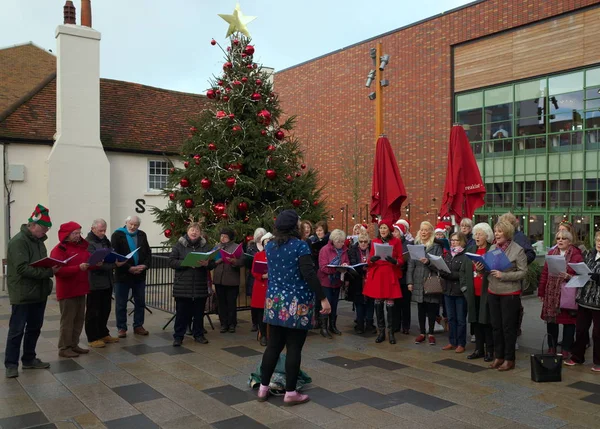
(391, 336)
(254, 328)
(324, 331)
(201, 340)
(224, 329)
(177, 342)
(360, 328)
(263, 341)
(232, 329)
(381, 337)
(488, 357)
(475, 355)
(333, 325)
(36, 364)
(12, 371)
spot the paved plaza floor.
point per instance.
(143, 382)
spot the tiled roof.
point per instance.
(22, 69)
(133, 117)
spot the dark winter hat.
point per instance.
(229, 232)
(40, 216)
(286, 220)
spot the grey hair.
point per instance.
(337, 235)
(564, 234)
(258, 233)
(466, 222)
(98, 222)
(486, 229)
(130, 218)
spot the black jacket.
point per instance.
(406, 257)
(189, 282)
(120, 245)
(103, 277)
(461, 267)
(524, 242)
(357, 278)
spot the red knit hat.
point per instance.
(440, 227)
(387, 222)
(400, 227)
(40, 216)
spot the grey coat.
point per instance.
(189, 282)
(417, 273)
(512, 276)
(228, 274)
(103, 277)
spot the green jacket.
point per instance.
(27, 285)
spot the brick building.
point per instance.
(521, 75)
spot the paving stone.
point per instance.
(161, 410)
(208, 408)
(422, 400)
(317, 414)
(60, 366)
(586, 387)
(137, 421)
(135, 393)
(383, 363)
(16, 405)
(172, 351)
(343, 362)
(139, 349)
(52, 390)
(371, 398)
(521, 402)
(238, 422)
(185, 422)
(10, 388)
(263, 412)
(528, 418)
(368, 415)
(512, 388)
(23, 421)
(229, 395)
(294, 423)
(62, 408)
(117, 378)
(573, 417)
(474, 417)
(50, 333)
(35, 376)
(593, 399)
(242, 351)
(103, 402)
(120, 356)
(327, 398)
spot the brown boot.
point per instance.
(68, 353)
(507, 365)
(496, 363)
(81, 351)
(140, 331)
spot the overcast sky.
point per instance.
(166, 43)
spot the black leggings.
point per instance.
(257, 319)
(293, 340)
(568, 336)
(227, 297)
(427, 310)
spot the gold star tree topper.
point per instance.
(237, 22)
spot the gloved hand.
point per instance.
(375, 258)
(595, 277)
(391, 260)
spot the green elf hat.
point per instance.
(40, 216)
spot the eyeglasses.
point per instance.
(561, 238)
(363, 241)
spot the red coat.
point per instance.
(383, 277)
(259, 290)
(71, 282)
(565, 317)
(326, 255)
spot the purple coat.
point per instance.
(326, 255)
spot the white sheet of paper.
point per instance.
(383, 250)
(438, 262)
(578, 281)
(416, 251)
(580, 268)
(556, 264)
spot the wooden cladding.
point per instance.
(552, 46)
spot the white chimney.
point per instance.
(78, 169)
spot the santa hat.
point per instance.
(400, 227)
(40, 216)
(405, 223)
(440, 227)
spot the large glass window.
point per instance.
(158, 172)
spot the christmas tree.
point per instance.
(241, 165)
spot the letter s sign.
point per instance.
(140, 205)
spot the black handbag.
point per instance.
(546, 367)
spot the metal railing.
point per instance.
(159, 284)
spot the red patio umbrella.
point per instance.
(464, 190)
(387, 192)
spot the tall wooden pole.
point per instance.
(378, 93)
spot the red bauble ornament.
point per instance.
(172, 224)
(230, 182)
(228, 48)
(172, 196)
(168, 233)
(205, 183)
(236, 82)
(220, 83)
(249, 238)
(186, 164)
(193, 130)
(236, 41)
(263, 132)
(224, 215)
(296, 202)
(244, 79)
(227, 66)
(231, 116)
(225, 98)
(303, 166)
(254, 66)
(212, 146)
(244, 55)
(271, 174)
(211, 94)
(218, 92)
(264, 117)
(279, 135)
(249, 50)
(249, 66)
(271, 148)
(221, 114)
(289, 178)
(298, 174)
(255, 97)
(189, 203)
(246, 219)
(236, 128)
(243, 206)
(213, 42)
(172, 170)
(228, 90)
(315, 203)
(219, 208)
(258, 82)
(184, 182)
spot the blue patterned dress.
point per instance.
(290, 301)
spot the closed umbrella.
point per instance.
(387, 193)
